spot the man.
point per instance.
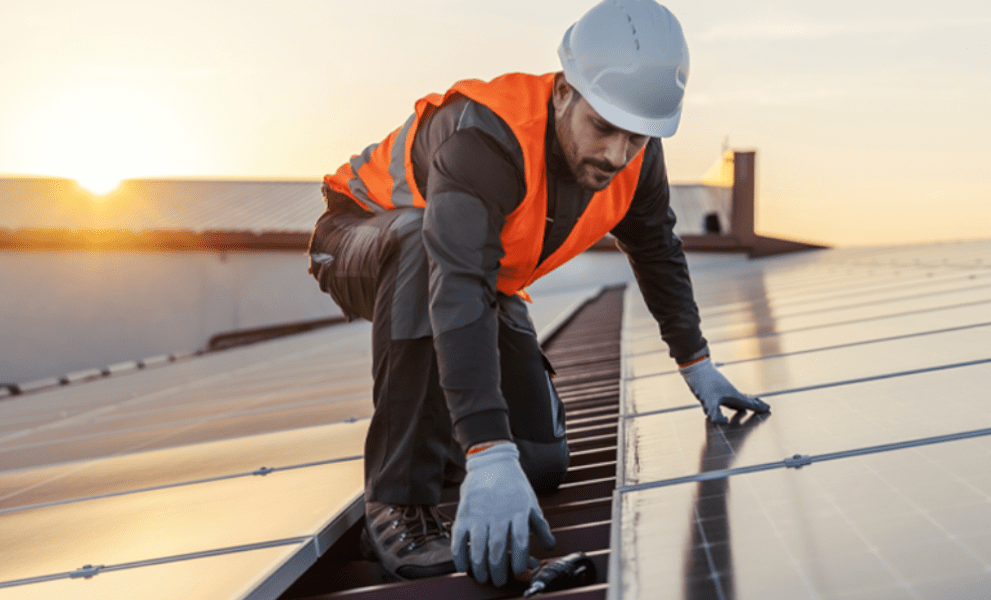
(434, 234)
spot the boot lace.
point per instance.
(423, 524)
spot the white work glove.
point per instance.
(713, 389)
(497, 509)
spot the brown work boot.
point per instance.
(411, 542)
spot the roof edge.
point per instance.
(156, 240)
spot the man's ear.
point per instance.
(562, 91)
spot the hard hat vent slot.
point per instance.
(633, 27)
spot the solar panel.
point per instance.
(773, 369)
(644, 361)
(870, 478)
(220, 576)
(175, 521)
(809, 317)
(904, 524)
(815, 422)
(278, 385)
(229, 458)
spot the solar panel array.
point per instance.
(226, 475)
(219, 476)
(210, 478)
(870, 478)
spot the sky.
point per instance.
(869, 118)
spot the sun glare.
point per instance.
(100, 133)
(98, 185)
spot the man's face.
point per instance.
(594, 150)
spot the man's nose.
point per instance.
(616, 151)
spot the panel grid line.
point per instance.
(806, 460)
(822, 386)
(969, 363)
(838, 323)
(823, 348)
(256, 473)
(89, 571)
(805, 298)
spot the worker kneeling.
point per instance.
(434, 233)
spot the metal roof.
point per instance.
(162, 204)
(227, 205)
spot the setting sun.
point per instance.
(100, 133)
(98, 185)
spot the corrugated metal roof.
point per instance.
(227, 205)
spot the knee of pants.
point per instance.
(405, 291)
(545, 464)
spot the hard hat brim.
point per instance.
(659, 128)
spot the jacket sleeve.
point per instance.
(646, 235)
(473, 183)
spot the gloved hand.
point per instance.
(497, 506)
(713, 389)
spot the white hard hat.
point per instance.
(629, 60)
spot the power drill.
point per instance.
(568, 571)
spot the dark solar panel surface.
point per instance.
(870, 477)
(912, 523)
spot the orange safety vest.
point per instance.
(381, 178)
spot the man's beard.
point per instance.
(594, 175)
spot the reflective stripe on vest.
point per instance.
(381, 177)
(377, 178)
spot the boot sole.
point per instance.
(367, 551)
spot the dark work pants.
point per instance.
(375, 267)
